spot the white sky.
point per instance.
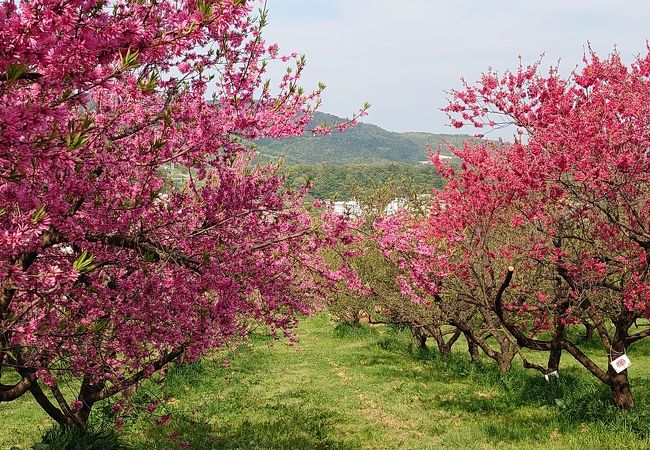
(401, 55)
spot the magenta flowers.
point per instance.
(108, 271)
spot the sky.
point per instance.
(402, 55)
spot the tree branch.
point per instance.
(12, 392)
(45, 403)
(534, 344)
(137, 377)
(637, 337)
(143, 245)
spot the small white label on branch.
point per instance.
(621, 363)
(553, 374)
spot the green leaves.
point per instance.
(129, 60)
(15, 71)
(205, 7)
(76, 140)
(83, 263)
(149, 84)
(157, 144)
(19, 71)
(38, 215)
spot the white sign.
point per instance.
(553, 374)
(621, 363)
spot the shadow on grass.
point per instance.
(235, 416)
(573, 401)
(292, 426)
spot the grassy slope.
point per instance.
(366, 388)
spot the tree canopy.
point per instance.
(552, 229)
(108, 271)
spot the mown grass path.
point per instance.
(367, 388)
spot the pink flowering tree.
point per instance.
(443, 257)
(108, 271)
(558, 219)
(384, 300)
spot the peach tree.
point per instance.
(108, 271)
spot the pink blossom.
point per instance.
(113, 271)
(184, 67)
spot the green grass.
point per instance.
(23, 422)
(368, 388)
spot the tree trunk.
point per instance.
(444, 347)
(436, 333)
(472, 348)
(507, 353)
(556, 353)
(554, 360)
(618, 382)
(45, 403)
(420, 339)
(589, 331)
(88, 396)
(621, 393)
(505, 364)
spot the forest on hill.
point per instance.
(343, 181)
(362, 144)
(364, 156)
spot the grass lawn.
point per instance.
(368, 388)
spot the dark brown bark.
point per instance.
(13, 391)
(419, 338)
(45, 403)
(472, 348)
(554, 360)
(619, 383)
(503, 357)
(88, 394)
(505, 364)
(138, 376)
(528, 365)
(617, 345)
(629, 340)
(555, 354)
(589, 331)
(534, 344)
(621, 392)
(64, 407)
(444, 347)
(150, 249)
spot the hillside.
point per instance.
(363, 143)
(364, 155)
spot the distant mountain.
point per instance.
(363, 143)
